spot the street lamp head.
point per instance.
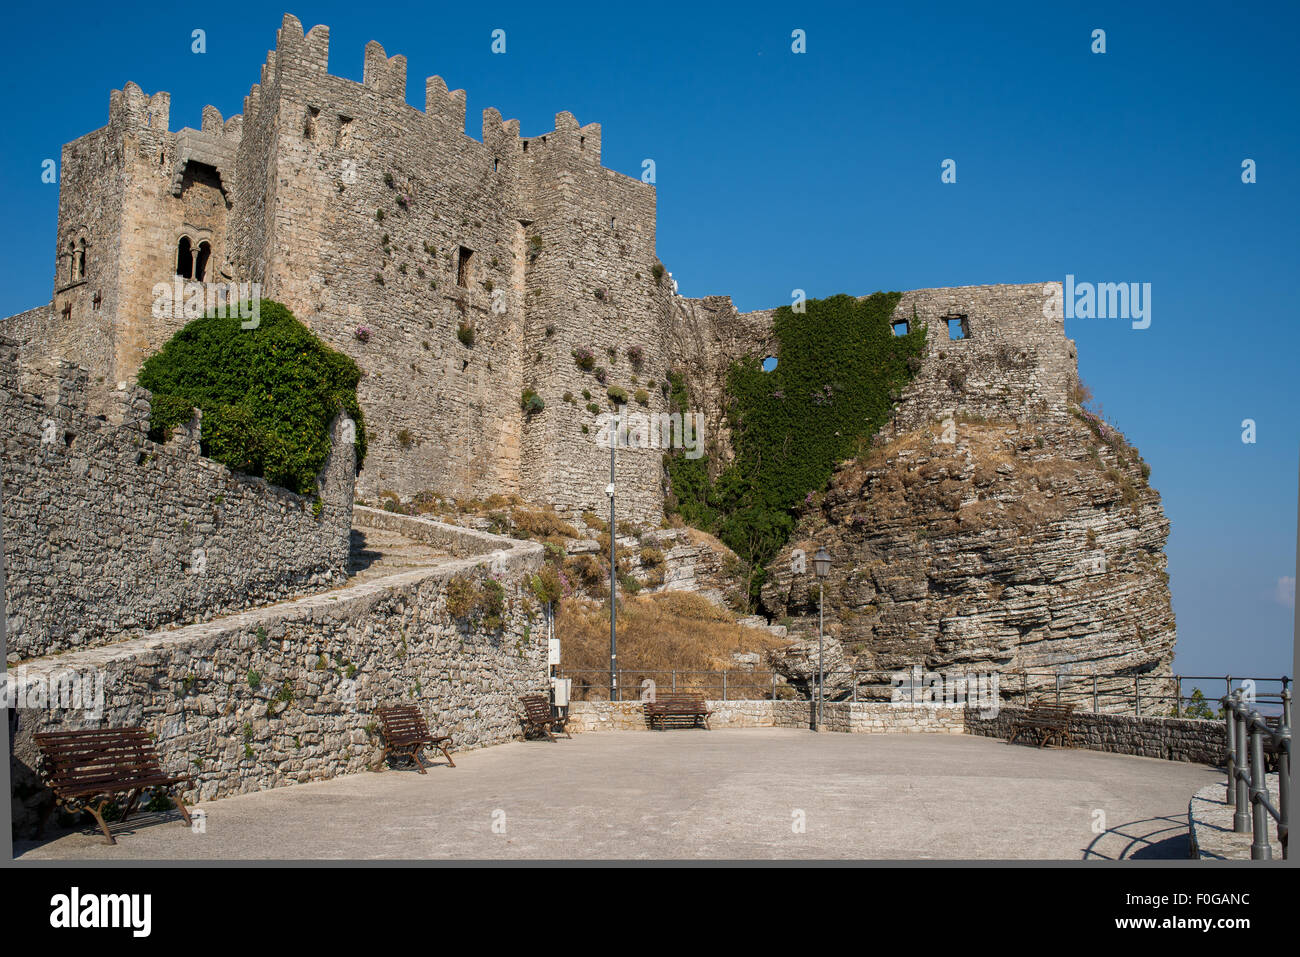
(609, 489)
(822, 563)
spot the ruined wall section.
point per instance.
(109, 534)
(591, 285)
(1015, 363)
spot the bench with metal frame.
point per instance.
(91, 769)
(678, 709)
(406, 734)
(1048, 720)
(538, 717)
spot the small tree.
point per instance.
(1197, 707)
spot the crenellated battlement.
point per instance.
(382, 73)
(131, 109)
(445, 109)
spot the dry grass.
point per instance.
(659, 633)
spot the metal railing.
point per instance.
(1115, 694)
(1247, 784)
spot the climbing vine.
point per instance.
(839, 371)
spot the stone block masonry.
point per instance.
(478, 266)
(1174, 739)
(287, 694)
(847, 716)
(110, 535)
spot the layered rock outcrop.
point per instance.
(975, 547)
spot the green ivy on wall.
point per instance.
(839, 371)
(268, 394)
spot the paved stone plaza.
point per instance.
(698, 795)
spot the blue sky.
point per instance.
(821, 171)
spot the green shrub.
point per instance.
(465, 333)
(492, 604)
(616, 395)
(462, 596)
(268, 394)
(546, 585)
(531, 402)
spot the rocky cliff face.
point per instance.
(974, 547)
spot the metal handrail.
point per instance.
(1142, 698)
(1247, 783)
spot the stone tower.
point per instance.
(458, 273)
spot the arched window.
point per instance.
(184, 259)
(201, 261)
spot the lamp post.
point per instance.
(613, 575)
(821, 568)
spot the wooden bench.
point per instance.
(538, 717)
(406, 734)
(91, 769)
(678, 709)
(1048, 720)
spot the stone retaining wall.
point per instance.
(856, 717)
(109, 535)
(1174, 739)
(287, 694)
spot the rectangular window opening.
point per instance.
(958, 327)
(463, 257)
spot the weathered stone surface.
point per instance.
(1013, 546)
(799, 661)
(287, 693)
(854, 717)
(1209, 825)
(108, 534)
(1172, 739)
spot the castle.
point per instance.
(460, 275)
(497, 295)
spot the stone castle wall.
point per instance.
(287, 694)
(1015, 363)
(356, 209)
(108, 534)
